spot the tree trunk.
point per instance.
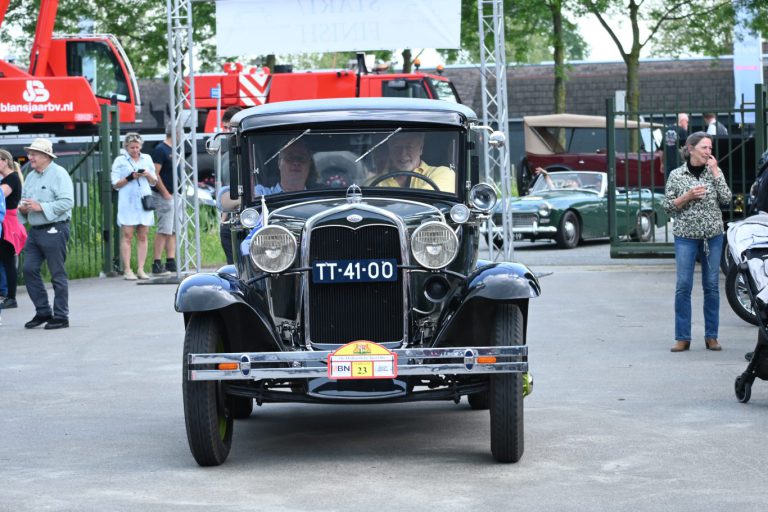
(559, 55)
(407, 60)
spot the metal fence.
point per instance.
(637, 162)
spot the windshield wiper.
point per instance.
(287, 145)
(379, 144)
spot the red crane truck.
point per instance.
(68, 78)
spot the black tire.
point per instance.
(208, 420)
(241, 407)
(726, 260)
(743, 390)
(506, 390)
(479, 401)
(738, 297)
(643, 231)
(569, 231)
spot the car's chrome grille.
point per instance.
(340, 313)
(524, 220)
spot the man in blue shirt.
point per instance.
(46, 203)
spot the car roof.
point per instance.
(579, 121)
(391, 110)
(541, 142)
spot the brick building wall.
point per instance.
(665, 86)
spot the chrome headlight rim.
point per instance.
(249, 218)
(483, 197)
(257, 243)
(460, 213)
(452, 244)
(544, 210)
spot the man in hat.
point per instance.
(46, 202)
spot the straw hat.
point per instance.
(42, 146)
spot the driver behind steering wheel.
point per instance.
(405, 156)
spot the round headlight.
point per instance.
(434, 245)
(249, 218)
(544, 209)
(483, 197)
(459, 213)
(273, 249)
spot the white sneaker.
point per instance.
(129, 275)
(141, 274)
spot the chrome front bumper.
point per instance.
(313, 364)
(535, 229)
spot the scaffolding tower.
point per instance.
(183, 135)
(493, 84)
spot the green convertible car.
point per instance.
(569, 206)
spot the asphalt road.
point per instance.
(92, 415)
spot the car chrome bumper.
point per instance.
(281, 365)
(528, 230)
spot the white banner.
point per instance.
(747, 66)
(261, 27)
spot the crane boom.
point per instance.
(41, 47)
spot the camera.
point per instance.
(141, 171)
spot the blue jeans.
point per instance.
(686, 250)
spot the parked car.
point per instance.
(578, 142)
(356, 289)
(571, 206)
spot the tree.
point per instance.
(705, 25)
(535, 30)
(140, 25)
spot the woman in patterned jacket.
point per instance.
(693, 194)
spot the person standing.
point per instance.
(674, 139)
(47, 199)
(713, 126)
(165, 236)
(693, 194)
(225, 229)
(133, 175)
(14, 235)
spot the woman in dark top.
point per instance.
(14, 235)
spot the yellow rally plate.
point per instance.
(362, 360)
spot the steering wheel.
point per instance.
(410, 174)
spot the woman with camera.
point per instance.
(133, 173)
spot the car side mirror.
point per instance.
(213, 144)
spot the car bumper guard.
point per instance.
(313, 364)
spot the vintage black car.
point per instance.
(357, 277)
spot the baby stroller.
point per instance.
(748, 244)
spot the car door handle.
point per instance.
(581, 162)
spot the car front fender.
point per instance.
(243, 310)
(502, 281)
(471, 309)
(207, 292)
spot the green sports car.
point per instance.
(569, 206)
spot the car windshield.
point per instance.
(316, 159)
(569, 180)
